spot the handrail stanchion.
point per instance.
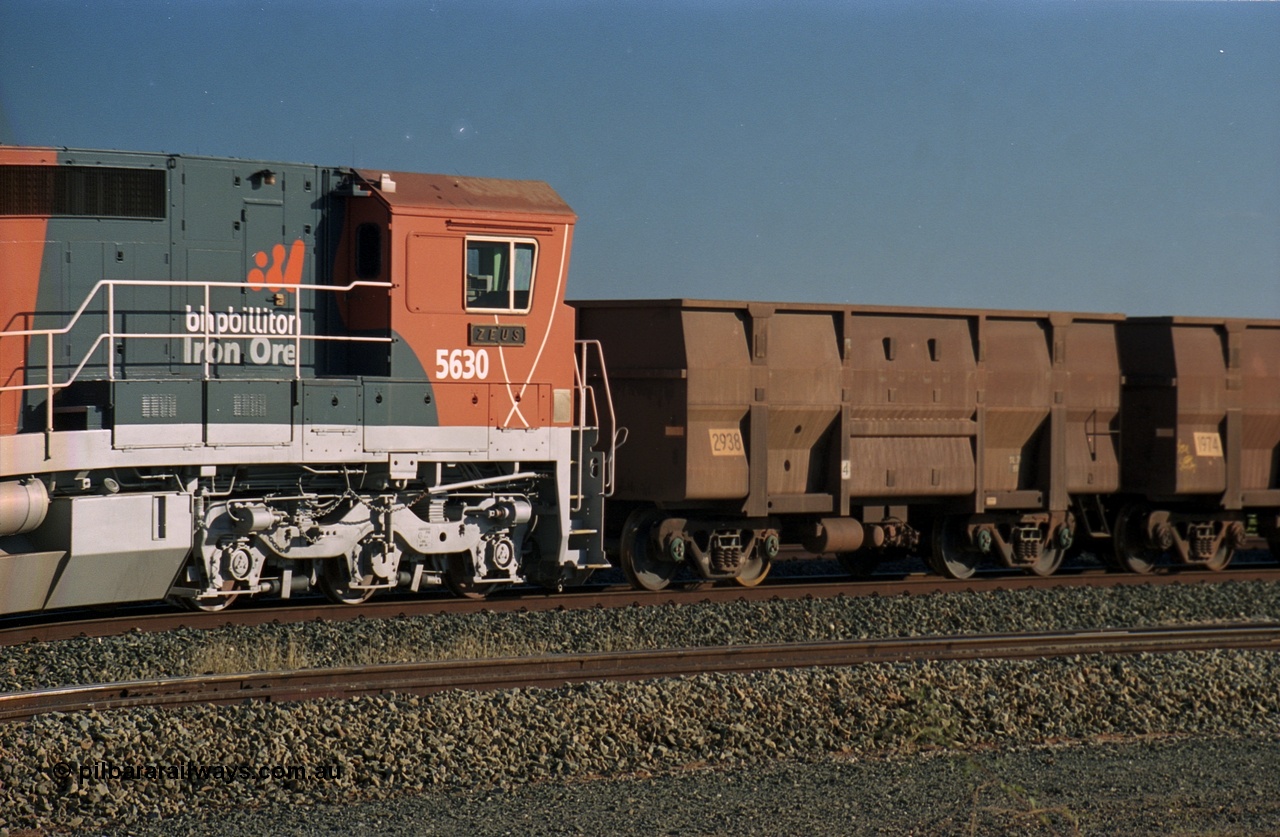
(206, 320)
(587, 399)
(297, 335)
(48, 397)
(111, 331)
(580, 376)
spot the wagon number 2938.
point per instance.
(726, 442)
(461, 364)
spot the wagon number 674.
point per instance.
(461, 364)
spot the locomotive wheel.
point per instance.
(1132, 552)
(335, 583)
(459, 578)
(859, 564)
(644, 569)
(754, 570)
(208, 605)
(948, 558)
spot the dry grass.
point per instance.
(222, 657)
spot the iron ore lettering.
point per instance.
(489, 334)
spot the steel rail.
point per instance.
(558, 670)
(154, 619)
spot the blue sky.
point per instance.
(1032, 155)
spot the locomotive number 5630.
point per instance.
(461, 364)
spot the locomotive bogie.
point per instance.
(350, 543)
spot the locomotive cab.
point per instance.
(477, 272)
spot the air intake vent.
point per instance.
(159, 406)
(249, 405)
(82, 191)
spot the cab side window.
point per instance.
(500, 274)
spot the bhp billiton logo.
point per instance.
(284, 270)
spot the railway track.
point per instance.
(157, 618)
(557, 670)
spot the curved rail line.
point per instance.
(558, 670)
(153, 618)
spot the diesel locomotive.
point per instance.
(224, 378)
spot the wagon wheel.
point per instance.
(1132, 552)
(460, 579)
(1049, 561)
(859, 564)
(947, 557)
(335, 583)
(645, 569)
(1220, 559)
(1061, 541)
(1226, 549)
(754, 569)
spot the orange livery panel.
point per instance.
(478, 271)
(22, 245)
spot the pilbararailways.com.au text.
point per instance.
(195, 774)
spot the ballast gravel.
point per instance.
(470, 636)
(1004, 746)
(132, 769)
(1143, 787)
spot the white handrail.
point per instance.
(587, 394)
(162, 283)
(205, 331)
